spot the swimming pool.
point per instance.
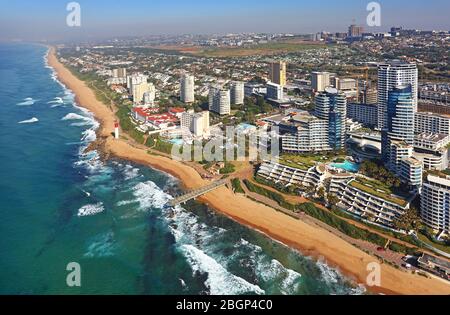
(177, 141)
(348, 166)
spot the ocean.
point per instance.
(59, 205)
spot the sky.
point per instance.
(46, 19)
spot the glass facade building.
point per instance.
(331, 105)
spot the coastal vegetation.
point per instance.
(330, 218)
(227, 169)
(278, 198)
(237, 187)
(377, 171)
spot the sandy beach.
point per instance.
(310, 240)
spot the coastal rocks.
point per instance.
(99, 145)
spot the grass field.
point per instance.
(262, 50)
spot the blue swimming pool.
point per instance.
(348, 166)
(177, 141)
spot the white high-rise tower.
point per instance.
(187, 85)
(390, 76)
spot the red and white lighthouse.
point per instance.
(116, 129)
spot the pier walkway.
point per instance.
(192, 194)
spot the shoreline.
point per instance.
(296, 234)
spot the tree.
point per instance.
(333, 200)
(410, 220)
(321, 193)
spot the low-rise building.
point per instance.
(312, 176)
(368, 199)
(431, 123)
(436, 266)
(156, 121)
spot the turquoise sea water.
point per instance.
(58, 206)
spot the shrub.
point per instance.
(237, 186)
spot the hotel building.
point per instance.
(196, 123)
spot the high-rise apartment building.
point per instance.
(355, 31)
(304, 133)
(435, 203)
(274, 91)
(320, 81)
(143, 92)
(219, 101)
(391, 75)
(237, 93)
(119, 73)
(187, 87)
(196, 123)
(397, 139)
(400, 122)
(331, 105)
(150, 96)
(277, 72)
(366, 114)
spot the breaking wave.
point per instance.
(220, 281)
(27, 102)
(92, 209)
(29, 121)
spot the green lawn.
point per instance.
(305, 162)
(441, 247)
(378, 189)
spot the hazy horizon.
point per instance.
(46, 20)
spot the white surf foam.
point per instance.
(220, 281)
(29, 121)
(149, 195)
(101, 246)
(56, 100)
(88, 135)
(92, 209)
(27, 102)
(130, 172)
